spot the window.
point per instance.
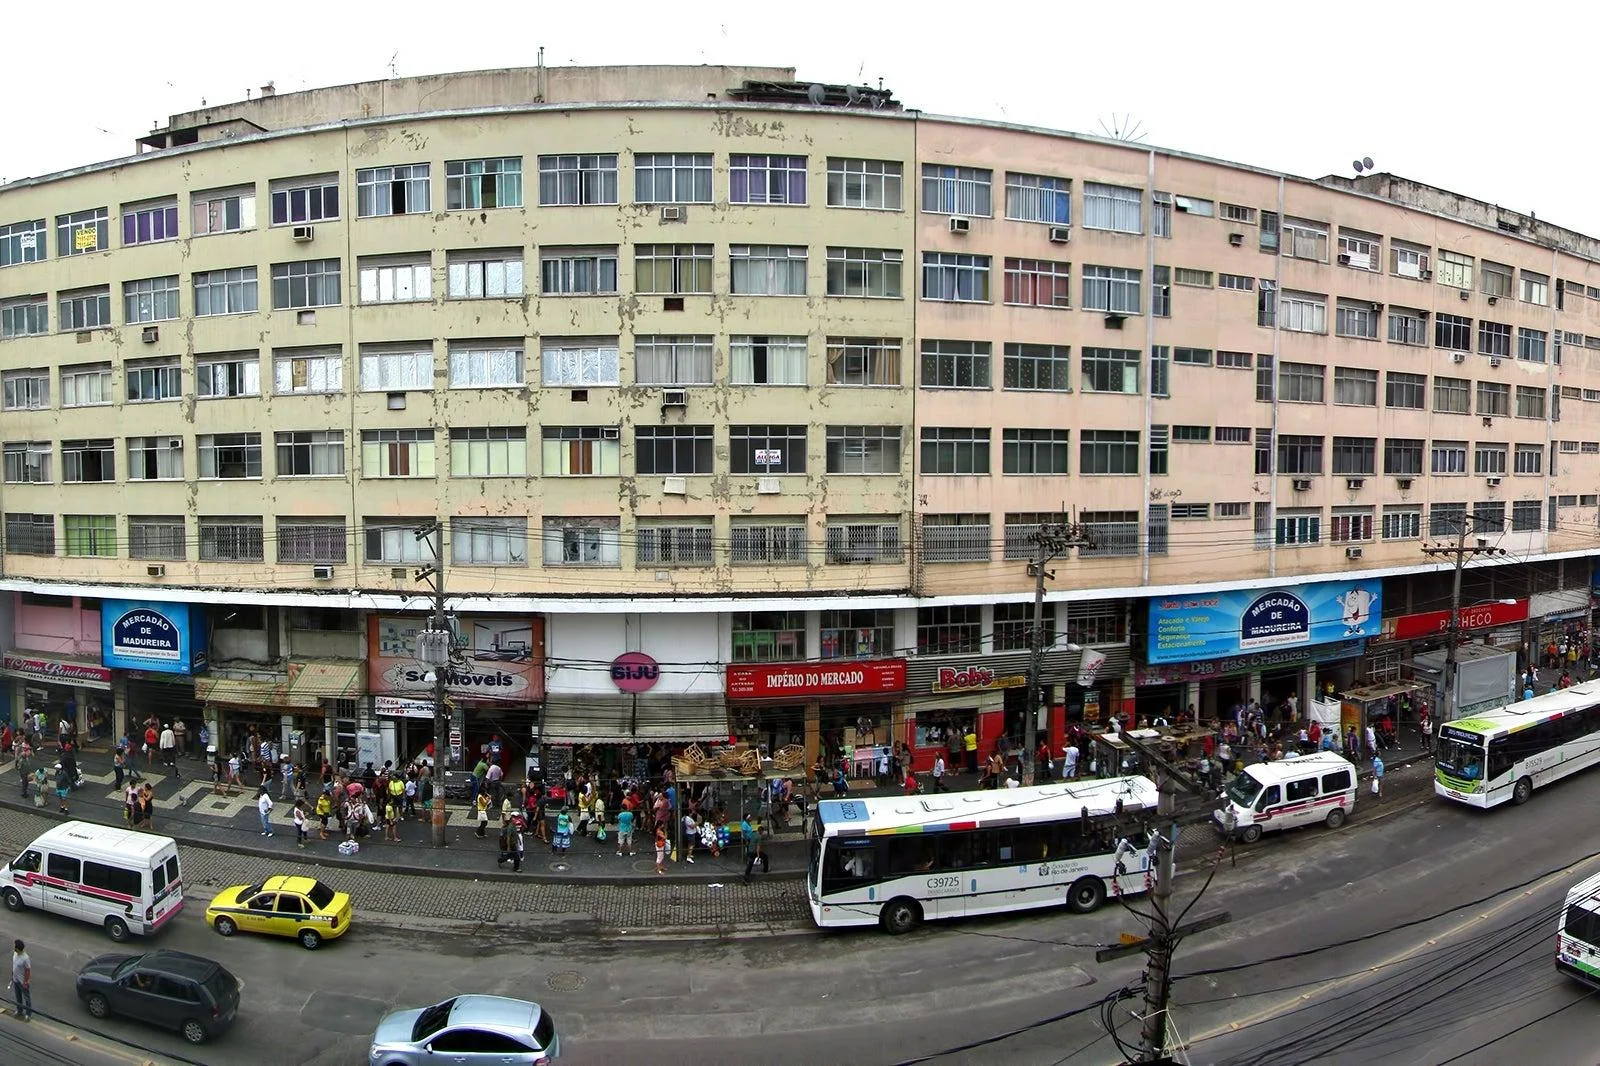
(1264, 379)
(672, 269)
(767, 270)
(1494, 338)
(1531, 344)
(685, 542)
(955, 538)
(1452, 332)
(577, 180)
(481, 184)
(862, 542)
(1525, 516)
(1489, 515)
(1022, 529)
(1494, 398)
(485, 275)
(484, 365)
(28, 462)
(394, 540)
(312, 540)
(230, 455)
(24, 316)
(149, 223)
(1236, 282)
(397, 453)
(84, 461)
(489, 541)
(1237, 213)
(863, 449)
(1303, 312)
(957, 190)
(1191, 434)
(767, 449)
(1305, 240)
(673, 450)
(955, 364)
(1350, 525)
(150, 300)
(1298, 527)
(954, 276)
(1191, 512)
(308, 370)
(768, 636)
(1360, 251)
(1233, 435)
(1535, 288)
(1530, 401)
(1035, 451)
(950, 450)
(1038, 283)
(84, 309)
(298, 201)
(1110, 370)
(1405, 390)
(580, 362)
(1112, 207)
(396, 369)
(1112, 289)
(231, 540)
(1449, 457)
(1407, 326)
(235, 374)
(1108, 451)
(1110, 533)
(1357, 319)
(22, 242)
(1355, 386)
(1495, 279)
(387, 281)
(1301, 383)
(1402, 522)
(82, 232)
(86, 385)
(26, 390)
(869, 272)
(770, 541)
(1489, 459)
(872, 184)
(401, 190)
(499, 451)
(857, 634)
(578, 271)
(1529, 459)
(1037, 367)
(1402, 456)
(863, 361)
(1267, 304)
(1036, 198)
(90, 534)
(1299, 454)
(149, 380)
(672, 178)
(222, 211)
(765, 360)
(310, 453)
(1452, 395)
(670, 360)
(582, 542)
(949, 630)
(1407, 260)
(30, 534)
(156, 537)
(1355, 456)
(1454, 269)
(225, 292)
(767, 179)
(1160, 370)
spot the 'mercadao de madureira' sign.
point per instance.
(1208, 625)
(165, 638)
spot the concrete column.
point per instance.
(1308, 688)
(813, 732)
(1253, 690)
(1191, 694)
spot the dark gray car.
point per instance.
(467, 1030)
(171, 989)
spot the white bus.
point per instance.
(1578, 933)
(1506, 753)
(898, 860)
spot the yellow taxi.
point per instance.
(301, 907)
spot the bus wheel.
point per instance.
(1335, 818)
(1086, 894)
(1522, 790)
(1250, 834)
(900, 916)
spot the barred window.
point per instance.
(955, 538)
(771, 541)
(312, 540)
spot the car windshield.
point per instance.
(246, 893)
(1244, 789)
(128, 967)
(431, 1020)
(321, 895)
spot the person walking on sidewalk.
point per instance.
(130, 804)
(1377, 776)
(324, 810)
(755, 848)
(63, 785)
(299, 823)
(22, 980)
(24, 763)
(563, 837)
(169, 749)
(625, 831)
(264, 807)
(661, 849)
(938, 773)
(180, 734)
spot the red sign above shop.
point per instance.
(835, 678)
(58, 671)
(1434, 623)
(966, 678)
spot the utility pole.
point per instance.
(1049, 540)
(1461, 552)
(434, 648)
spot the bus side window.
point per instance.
(64, 867)
(911, 854)
(1033, 843)
(1338, 781)
(1304, 789)
(955, 851)
(1500, 756)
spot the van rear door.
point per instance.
(166, 896)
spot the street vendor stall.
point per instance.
(742, 778)
(1396, 700)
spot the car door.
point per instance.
(293, 913)
(466, 1046)
(1267, 815)
(259, 914)
(136, 997)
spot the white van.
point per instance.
(1288, 793)
(128, 883)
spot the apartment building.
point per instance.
(703, 380)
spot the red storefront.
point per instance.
(823, 705)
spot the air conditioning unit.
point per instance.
(398, 573)
(1463, 294)
(1344, 259)
(1115, 321)
(1353, 483)
(675, 486)
(175, 443)
(1352, 553)
(322, 573)
(1061, 234)
(1460, 357)
(672, 214)
(960, 225)
(1403, 484)
(1302, 484)
(156, 570)
(1426, 275)
(1495, 361)
(1493, 300)
(674, 398)
(150, 334)
(1236, 239)
(769, 486)
(1492, 482)
(304, 233)
(610, 433)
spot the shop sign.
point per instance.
(53, 670)
(635, 672)
(842, 677)
(1089, 664)
(493, 658)
(1176, 673)
(1437, 623)
(1185, 628)
(972, 678)
(400, 707)
(166, 638)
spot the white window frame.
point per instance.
(485, 275)
(488, 451)
(486, 365)
(398, 453)
(1113, 208)
(150, 300)
(866, 184)
(866, 273)
(1038, 198)
(401, 369)
(672, 177)
(671, 359)
(231, 291)
(27, 389)
(566, 267)
(307, 283)
(162, 376)
(1360, 251)
(465, 181)
(486, 541)
(209, 211)
(580, 363)
(323, 451)
(377, 188)
(1305, 239)
(578, 180)
(1113, 290)
(767, 270)
(220, 452)
(955, 277)
(304, 200)
(227, 375)
(784, 359)
(1302, 312)
(320, 370)
(862, 362)
(395, 281)
(951, 190)
(582, 542)
(597, 450)
(91, 379)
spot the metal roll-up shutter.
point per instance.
(578, 719)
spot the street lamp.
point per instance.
(1450, 648)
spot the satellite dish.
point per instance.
(1356, 165)
(817, 94)
(852, 94)
(1366, 162)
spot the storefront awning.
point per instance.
(308, 683)
(241, 692)
(578, 719)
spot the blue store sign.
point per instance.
(1208, 626)
(163, 638)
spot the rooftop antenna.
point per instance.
(393, 72)
(1123, 128)
(1364, 163)
(817, 94)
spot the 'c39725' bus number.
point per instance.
(944, 884)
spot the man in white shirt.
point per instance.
(169, 748)
(1069, 762)
(938, 773)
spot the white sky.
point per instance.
(1476, 102)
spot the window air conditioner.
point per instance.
(1460, 357)
(1061, 234)
(610, 433)
(1493, 300)
(672, 214)
(156, 570)
(960, 225)
(1302, 484)
(175, 443)
(150, 334)
(675, 486)
(674, 398)
(1353, 483)
(1492, 482)
(398, 573)
(1114, 320)
(769, 486)
(1352, 553)
(1495, 361)
(304, 233)
(1463, 294)
(1236, 239)
(1402, 483)
(1344, 259)
(322, 573)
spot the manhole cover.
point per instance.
(566, 981)
(560, 867)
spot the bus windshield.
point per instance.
(1460, 758)
(1244, 789)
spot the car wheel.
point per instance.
(1522, 791)
(194, 1032)
(97, 1004)
(1250, 834)
(117, 929)
(13, 899)
(1086, 894)
(310, 939)
(900, 916)
(1335, 818)
(225, 926)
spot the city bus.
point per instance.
(1504, 754)
(1578, 933)
(898, 860)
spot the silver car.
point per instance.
(467, 1029)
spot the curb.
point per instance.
(516, 924)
